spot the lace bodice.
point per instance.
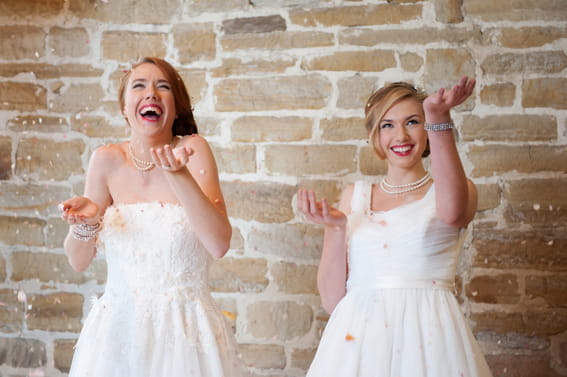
(151, 247)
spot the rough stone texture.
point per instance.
(2, 270)
(38, 124)
(195, 42)
(292, 93)
(238, 275)
(22, 353)
(542, 62)
(71, 42)
(26, 231)
(277, 40)
(31, 266)
(22, 96)
(521, 366)
(93, 127)
(47, 159)
(236, 159)
(78, 98)
(500, 94)
(539, 202)
(125, 46)
(356, 15)
(21, 42)
(550, 288)
(370, 61)
(295, 279)
(370, 163)
(508, 250)
(354, 92)
(524, 37)
(11, 312)
(497, 159)
(448, 11)
(282, 321)
(237, 67)
(272, 202)
(426, 35)
(511, 10)
(292, 160)
(488, 196)
(263, 356)
(265, 24)
(63, 354)
(35, 8)
(456, 63)
(342, 129)
(301, 358)
(49, 71)
(5, 158)
(127, 11)
(265, 128)
(288, 241)
(55, 312)
(545, 92)
(31, 198)
(411, 62)
(499, 289)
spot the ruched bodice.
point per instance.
(150, 246)
(408, 243)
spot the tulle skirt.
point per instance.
(405, 332)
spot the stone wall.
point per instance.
(278, 88)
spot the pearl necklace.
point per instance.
(141, 165)
(387, 188)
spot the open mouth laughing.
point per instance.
(151, 113)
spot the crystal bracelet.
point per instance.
(439, 126)
(85, 232)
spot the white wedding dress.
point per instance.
(399, 317)
(156, 317)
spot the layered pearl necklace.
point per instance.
(401, 189)
(141, 165)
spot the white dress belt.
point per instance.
(404, 282)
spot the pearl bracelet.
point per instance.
(85, 232)
(439, 126)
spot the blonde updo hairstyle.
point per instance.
(378, 105)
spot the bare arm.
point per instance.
(333, 267)
(457, 196)
(87, 209)
(194, 179)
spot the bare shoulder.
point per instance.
(194, 141)
(109, 154)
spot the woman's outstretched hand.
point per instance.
(319, 212)
(79, 210)
(441, 102)
(170, 159)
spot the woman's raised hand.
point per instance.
(442, 101)
(319, 212)
(171, 159)
(79, 210)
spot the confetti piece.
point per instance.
(22, 296)
(229, 315)
(537, 207)
(349, 338)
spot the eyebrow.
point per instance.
(409, 117)
(145, 80)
